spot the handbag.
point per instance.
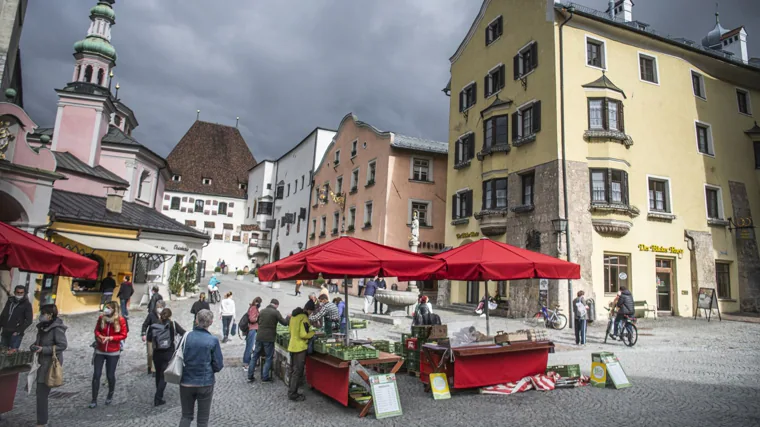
(234, 329)
(55, 373)
(173, 372)
(31, 377)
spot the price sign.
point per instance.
(385, 398)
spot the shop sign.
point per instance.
(468, 235)
(623, 276)
(180, 248)
(661, 249)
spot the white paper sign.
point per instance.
(622, 276)
(543, 284)
(385, 396)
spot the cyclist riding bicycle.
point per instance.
(213, 288)
(624, 305)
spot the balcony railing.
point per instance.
(261, 243)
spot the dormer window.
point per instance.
(176, 178)
(206, 181)
(243, 186)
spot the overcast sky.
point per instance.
(286, 66)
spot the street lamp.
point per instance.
(560, 225)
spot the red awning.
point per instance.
(350, 257)
(19, 249)
(486, 259)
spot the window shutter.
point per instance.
(591, 184)
(502, 72)
(471, 145)
(469, 203)
(506, 127)
(516, 62)
(625, 187)
(621, 123)
(483, 206)
(605, 117)
(457, 149)
(500, 26)
(485, 85)
(474, 93)
(453, 206)
(515, 126)
(534, 55)
(536, 116)
(461, 101)
(756, 146)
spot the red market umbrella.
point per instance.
(485, 260)
(27, 252)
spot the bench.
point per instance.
(641, 308)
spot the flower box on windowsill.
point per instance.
(523, 209)
(311, 236)
(367, 225)
(601, 135)
(322, 234)
(717, 222)
(351, 228)
(370, 183)
(618, 208)
(462, 164)
(661, 216)
(499, 148)
(460, 221)
(524, 140)
(353, 190)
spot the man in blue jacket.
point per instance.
(203, 359)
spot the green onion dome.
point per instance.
(95, 45)
(104, 10)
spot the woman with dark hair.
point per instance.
(51, 334)
(253, 328)
(110, 331)
(199, 305)
(162, 356)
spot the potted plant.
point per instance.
(351, 228)
(239, 275)
(217, 269)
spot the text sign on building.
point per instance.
(661, 249)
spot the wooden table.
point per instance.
(329, 375)
(485, 365)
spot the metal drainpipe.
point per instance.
(571, 9)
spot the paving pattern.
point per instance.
(685, 373)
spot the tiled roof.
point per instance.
(69, 162)
(84, 208)
(419, 144)
(213, 151)
(116, 136)
(731, 33)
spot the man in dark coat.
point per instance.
(15, 318)
(107, 286)
(265, 337)
(154, 297)
(126, 290)
(624, 308)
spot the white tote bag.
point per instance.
(31, 377)
(173, 372)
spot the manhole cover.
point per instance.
(62, 394)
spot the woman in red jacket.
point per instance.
(110, 331)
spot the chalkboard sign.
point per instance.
(707, 301)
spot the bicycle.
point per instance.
(630, 333)
(552, 318)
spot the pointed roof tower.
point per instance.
(95, 56)
(713, 38)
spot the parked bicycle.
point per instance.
(551, 318)
(629, 333)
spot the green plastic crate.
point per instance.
(323, 347)
(353, 353)
(566, 371)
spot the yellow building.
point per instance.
(661, 154)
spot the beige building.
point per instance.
(384, 177)
(656, 138)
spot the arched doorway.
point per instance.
(10, 209)
(276, 252)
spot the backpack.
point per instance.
(163, 338)
(243, 325)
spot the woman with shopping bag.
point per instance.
(50, 344)
(163, 335)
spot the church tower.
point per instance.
(95, 56)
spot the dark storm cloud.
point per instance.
(286, 66)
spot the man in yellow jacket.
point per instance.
(300, 333)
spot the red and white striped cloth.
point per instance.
(541, 382)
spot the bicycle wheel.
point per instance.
(537, 319)
(607, 332)
(631, 335)
(559, 322)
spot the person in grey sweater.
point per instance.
(51, 332)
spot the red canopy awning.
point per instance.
(19, 249)
(486, 259)
(350, 257)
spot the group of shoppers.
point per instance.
(370, 287)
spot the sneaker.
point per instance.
(613, 336)
(268, 380)
(109, 399)
(251, 380)
(159, 402)
(483, 315)
(245, 368)
(93, 405)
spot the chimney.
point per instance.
(115, 199)
(737, 44)
(627, 10)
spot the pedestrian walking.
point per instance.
(151, 319)
(369, 294)
(126, 290)
(360, 285)
(154, 298)
(51, 337)
(580, 310)
(380, 285)
(202, 360)
(299, 283)
(227, 314)
(107, 287)
(17, 315)
(253, 326)
(324, 291)
(163, 335)
(334, 286)
(199, 305)
(265, 336)
(328, 315)
(110, 331)
(300, 334)
(338, 301)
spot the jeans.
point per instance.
(368, 300)
(619, 319)
(268, 349)
(12, 341)
(361, 288)
(188, 396)
(226, 322)
(125, 307)
(580, 331)
(43, 392)
(298, 364)
(334, 288)
(105, 299)
(250, 341)
(110, 362)
(161, 359)
(343, 327)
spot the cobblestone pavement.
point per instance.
(684, 372)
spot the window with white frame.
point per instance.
(526, 60)
(198, 205)
(339, 184)
(659, 195)
(175, 203)
(494, 194)
(526, 122)
(468, 96)
(323, 223)
(648, 68)
(354, 179)
(353, 148)
(421, 170)
(144, 186)
(352, 218)
(316, 196)
(494, 30)
(336, 162)
(368, 214)
(605, 114)
(743, 101)
(714, 201)
(461, 204)
(595, 53)
(424, 210)
(698, 85)
(494, 80)
(313, 226)
(609, 186)
(336, 222)
(528, 186)
(371, 172)
(464, 148)
(704, 139)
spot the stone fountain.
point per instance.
(398, 301)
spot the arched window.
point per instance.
(117, 120)
(88, 74)
(144, 182)
(222, 208)
(101, 76)
(77, 72)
